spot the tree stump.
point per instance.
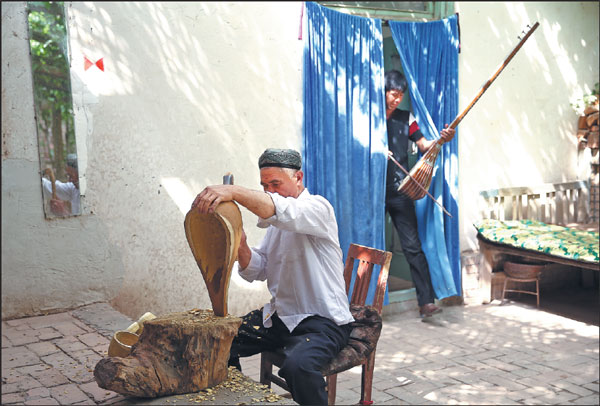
(175, 354)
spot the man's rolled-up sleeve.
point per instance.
(256, 269)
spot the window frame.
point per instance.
(435, 10)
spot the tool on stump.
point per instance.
(417, 182)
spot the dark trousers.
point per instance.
(402, 212)
(309, 347)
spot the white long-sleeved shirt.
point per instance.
(64, 191)
(301, 260)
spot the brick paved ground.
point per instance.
(511, 354)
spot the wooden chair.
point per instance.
(367, 258)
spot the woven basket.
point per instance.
(522, 271)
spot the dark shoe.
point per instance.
(429, 310)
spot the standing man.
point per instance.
(301, 260)
(401, 126)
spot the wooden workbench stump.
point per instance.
(175, 354)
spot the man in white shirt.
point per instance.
(301, 260)
(65, 191)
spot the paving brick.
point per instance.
(42, 401)
(591, 386)
(10, 375)
(48, 320)
(96, 393)
(558, 398)
(10, 398)
(407, 397)
(533, 366)
(6, 343)
(101, 350)
(25, 383)
(18, 356)
(48, 333)
(78, 373)
(534, 401)
(68, 394)
(500, 365)
(505, 383)
(37, 393)
(576, 389)
(28, 370)
(588, 400)
(43, 348)
(87, 358)
(50, 377)
(83, 326)
(22, 337)
(94, 339)
(59, 360)
(69, 344)
(68, 328)
(15, 322)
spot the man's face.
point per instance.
(393, 98)
(72, 174)
(278, 180)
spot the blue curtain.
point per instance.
(429, 55)
(344, 129)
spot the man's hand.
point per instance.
(244, 252)
(447, 133)
(59, 207)
(208, 200)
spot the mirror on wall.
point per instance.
(48, 44)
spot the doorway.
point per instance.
(399, 277)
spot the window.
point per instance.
(394, 10)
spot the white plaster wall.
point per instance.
(190, 91)
(46, 265)
(522, 131)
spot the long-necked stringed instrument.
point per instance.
(418, 180)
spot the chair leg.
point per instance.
(331, 387)
(366, 386)
(266, 370)
(504, 289)
(537, 292)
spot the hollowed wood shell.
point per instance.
(214, 239)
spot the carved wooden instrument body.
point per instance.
(214, 239)
(422, 172)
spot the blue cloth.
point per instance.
(429, 55)
(344, 129)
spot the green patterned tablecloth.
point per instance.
(545, 238)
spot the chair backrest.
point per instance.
(367, 257)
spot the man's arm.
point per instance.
(259, 203)
(244, 252)
(424, 144)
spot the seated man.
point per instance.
(301, 260)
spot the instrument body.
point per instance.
(422, 172)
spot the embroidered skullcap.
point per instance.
(280, 158)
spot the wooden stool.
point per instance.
(537, 287)
(523, 272)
